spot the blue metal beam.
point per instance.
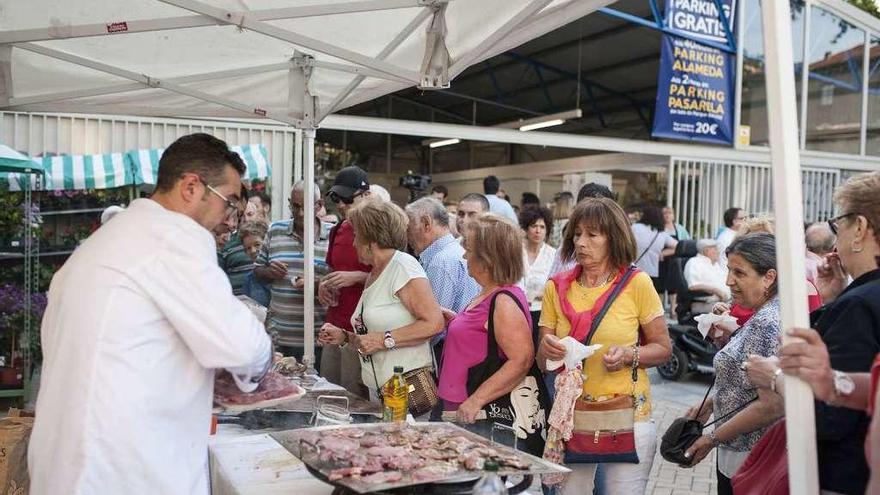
(499, 95)
(543, 86)
(730, 47)
(725, 21)
(574, 77)
(595, 105)
(655, 11)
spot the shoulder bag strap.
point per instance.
(624, 281)
(372, 364)
(647, 248)
(492, 347)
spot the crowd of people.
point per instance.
(423, 286)
(475, 301)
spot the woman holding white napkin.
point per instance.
(633, 335)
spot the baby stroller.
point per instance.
(690, 351)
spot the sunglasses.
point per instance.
(832, 224)
(339, 199)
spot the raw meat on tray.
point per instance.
(272, 387)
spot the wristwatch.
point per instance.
(389, 341)
(843, 385)
(344, 342)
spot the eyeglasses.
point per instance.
(832, 224)
(231, 206)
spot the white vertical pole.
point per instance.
(805, 72)
(866, 62)
(788, 205)
(739, 15)
(297, 156)
(308, 161)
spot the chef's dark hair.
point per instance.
(200, 154)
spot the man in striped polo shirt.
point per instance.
(280, 264)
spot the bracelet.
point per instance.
(635, 356)
(635, 362)
(776, 374)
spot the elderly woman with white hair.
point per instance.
(705, 273)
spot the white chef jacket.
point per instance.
(138, 319)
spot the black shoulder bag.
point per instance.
(526, 407)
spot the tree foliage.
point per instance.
(868, 6)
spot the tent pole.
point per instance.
(788, 206)
(308, 150)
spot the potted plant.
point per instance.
(12, 322)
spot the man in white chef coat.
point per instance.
(139, 319)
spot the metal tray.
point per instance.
(296, 441)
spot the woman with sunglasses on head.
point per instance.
(342, 288)
(836, 358)
(397, 314)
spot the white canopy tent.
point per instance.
(297, 61)
(292, 61)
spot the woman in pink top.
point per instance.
(493, 250)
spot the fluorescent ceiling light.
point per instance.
(443, 142)
(542, 121)
(541, 125)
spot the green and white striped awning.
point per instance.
(87, 172)
(120, 169)
(79, 172)
(146, 162)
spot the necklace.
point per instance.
(603, 284)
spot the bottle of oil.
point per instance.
(395, 393)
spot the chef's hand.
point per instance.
(467, 411)
(831, 279)
(338, 280)
(699, 450)
(617, 358)
(701, 415)
(276, 270)
(550, 348)
(299, 283)
(370, 343)
(331, 335)
(761, 370)
(808, 360)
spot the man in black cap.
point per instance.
(342, 288)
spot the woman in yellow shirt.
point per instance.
(633, 333)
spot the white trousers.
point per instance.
(621, 478)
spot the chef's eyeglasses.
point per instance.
(231, 206)
(832, 224)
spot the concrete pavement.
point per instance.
(670, 401)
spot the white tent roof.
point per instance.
(235, 58)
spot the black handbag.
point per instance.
(683, 432)
(525, 408)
